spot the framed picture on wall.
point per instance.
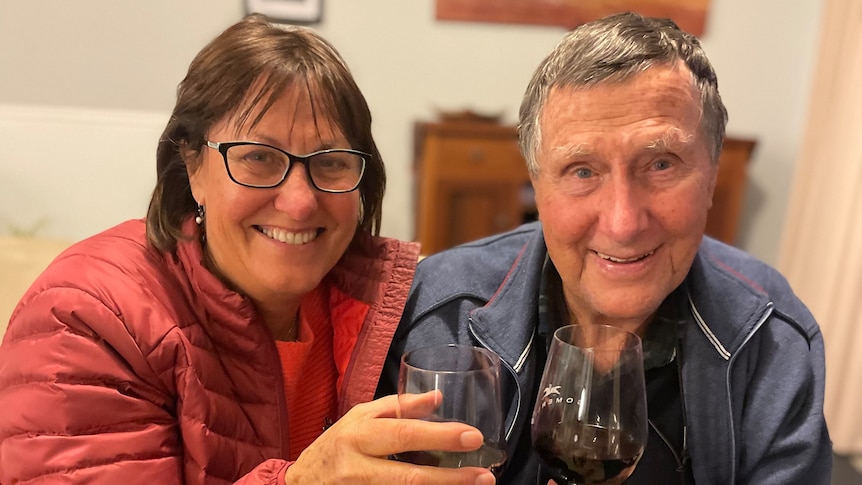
(289, 11)
(690, 15)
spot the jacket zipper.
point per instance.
(511, 371)
(769, 307)
(667, 443)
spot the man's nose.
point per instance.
(624, 211)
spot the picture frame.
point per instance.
(690, 15)
(288, 11)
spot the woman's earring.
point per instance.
(199, 219)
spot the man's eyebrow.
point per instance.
(573, 151)
(673, 139)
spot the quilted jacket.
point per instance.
(125, 365)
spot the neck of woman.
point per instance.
(282, 319)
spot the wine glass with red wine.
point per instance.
(469, 380)
(589, 425)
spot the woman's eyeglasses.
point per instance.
(262, 166)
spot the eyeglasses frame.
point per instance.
(223, 147)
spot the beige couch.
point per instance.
(21, 261)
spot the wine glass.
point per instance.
(469, 380)
(589, 425)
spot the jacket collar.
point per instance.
(374, 270)
(229, 317)
(723, 304)
(379, 272)
(507, 322)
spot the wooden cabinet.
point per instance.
(471, 181)
(723, 219)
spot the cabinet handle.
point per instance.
(477, 155)
(501, 221)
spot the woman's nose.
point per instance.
(296, 196)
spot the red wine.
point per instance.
(488, 456)
(589, 457)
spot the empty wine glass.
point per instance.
(469, 380)
(589, 425)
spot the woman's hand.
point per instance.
(355, 448)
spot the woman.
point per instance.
(215, 341)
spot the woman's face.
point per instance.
(275, 244)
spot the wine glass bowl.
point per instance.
(469, 381)
(589, 425)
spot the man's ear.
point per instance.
(193, 161)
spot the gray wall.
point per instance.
(99, 57)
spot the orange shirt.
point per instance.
(313, 365)
(309, 372)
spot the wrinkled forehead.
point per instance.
(662, 87)
(294, 96)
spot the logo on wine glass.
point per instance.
(551, 390)
(552, 395)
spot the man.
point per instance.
(621, 127)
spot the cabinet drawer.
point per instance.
(478, 159)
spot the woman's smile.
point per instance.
(290, 237)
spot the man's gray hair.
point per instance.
(614, 49)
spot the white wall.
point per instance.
(67, 173)
(122, 58)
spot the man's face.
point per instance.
(624, 185)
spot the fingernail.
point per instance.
(471, 439)
(486, 479)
